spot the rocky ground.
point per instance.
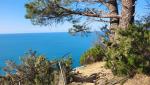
(105, 76)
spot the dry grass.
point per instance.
(139, 79)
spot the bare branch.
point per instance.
(101, 20)
(104, 2)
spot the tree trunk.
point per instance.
(114, 22)
(113, 7)
(127, 14)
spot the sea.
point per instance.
(51, 45)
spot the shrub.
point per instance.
(93, 54)
(129, 53)
(35, 70)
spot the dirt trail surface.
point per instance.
(105, 76)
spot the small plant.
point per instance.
(93, 54)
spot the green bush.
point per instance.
(129, 53)
(93, 54)
(35, 70)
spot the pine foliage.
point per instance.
(130, 51)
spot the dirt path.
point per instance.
(107, 76)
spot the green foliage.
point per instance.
(42, 11)
(35, 70)
(93, 54)
(80, 13)
(129, 53)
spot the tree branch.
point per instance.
(90, 14)
(104, 3)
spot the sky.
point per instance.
(12, 18)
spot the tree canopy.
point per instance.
(118, 13)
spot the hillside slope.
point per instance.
(105, 76)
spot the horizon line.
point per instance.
(32, 32)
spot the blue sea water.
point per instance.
(52, 45)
